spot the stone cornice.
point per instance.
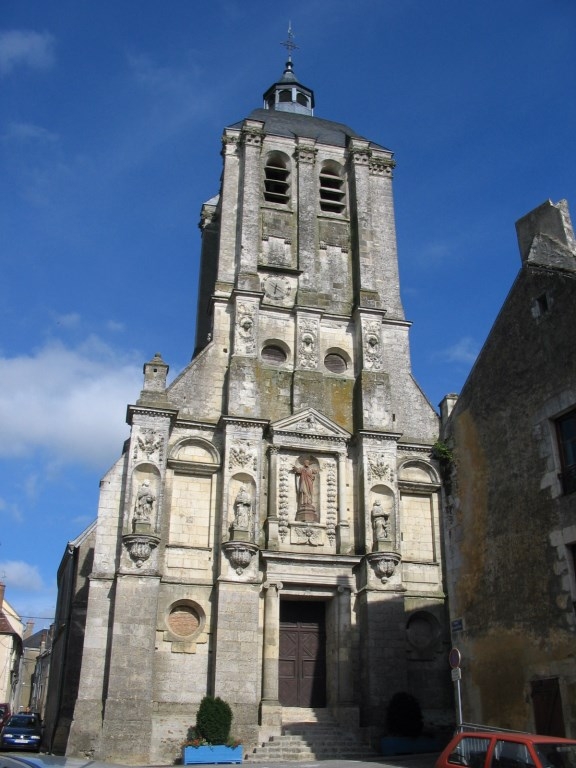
(371, 435)
(143, 410)
(240, 421)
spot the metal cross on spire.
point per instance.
(289, 44)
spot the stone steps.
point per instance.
(311, 735)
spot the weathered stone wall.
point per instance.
(507, 519)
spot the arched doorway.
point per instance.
(302, 661)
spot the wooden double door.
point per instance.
(302, 662)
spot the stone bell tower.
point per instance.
(271, 533)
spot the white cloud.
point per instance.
(28, 132)
(68, 403)
(12, 511)
(17, 574)
(25, 48)
(464, 351)
(70, 320)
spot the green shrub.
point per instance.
(404, 716)
(214, 720)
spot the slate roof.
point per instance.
(291, 124)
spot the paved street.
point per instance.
(402, 761)
(380, 761)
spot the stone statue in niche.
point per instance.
(242, 509)
(380, 522)
(144, 507)
(305, 477)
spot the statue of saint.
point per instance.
(380, 522)
(306, 474)
(144, 503)
(242, 509)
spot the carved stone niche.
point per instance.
(384, 564)
(239, 554)
(140, 547)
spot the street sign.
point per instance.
(454, 658)
(456, 674)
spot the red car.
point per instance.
(495, 749)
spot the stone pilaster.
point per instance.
(249, 206)
(270, 709)
(343, 527)
(236, 654)
(346, 710)
(307, 204)
(272, 518)
(229, 207)
(127, 726)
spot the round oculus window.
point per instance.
(274, 355)
(183, 620)
(335, 363)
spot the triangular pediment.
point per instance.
(310, 423)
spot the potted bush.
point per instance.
(209, 740)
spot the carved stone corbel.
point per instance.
(384, 564)
(140, 546)
(239, 554)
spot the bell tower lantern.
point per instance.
(287, 94)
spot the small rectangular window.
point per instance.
(566, 431)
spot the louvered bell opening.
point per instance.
(331, 193)
(273, 355)
(335, 363)
(276, 184)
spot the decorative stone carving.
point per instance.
(242, 455)
(230, 145)
(306, 534)
(148, 442)
(305, 154)
(245, 329)
(239, 554)
(361, 156)
(311, 425)
(378, 468)
(306, 475)
(331, 501)
(372, 345)
(283, 499)
(384, 564)
(252, 137)
(381, 166)
(307, 345)
(140, 547)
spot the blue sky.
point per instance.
(110, 122)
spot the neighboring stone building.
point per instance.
(33, 644)
(63, 658)
(11, 631)
(271, 533)
(510, 520)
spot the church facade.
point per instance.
(271, 533)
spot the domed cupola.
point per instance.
(287, 94)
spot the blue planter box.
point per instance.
(213, 754)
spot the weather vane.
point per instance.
(289, 44)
